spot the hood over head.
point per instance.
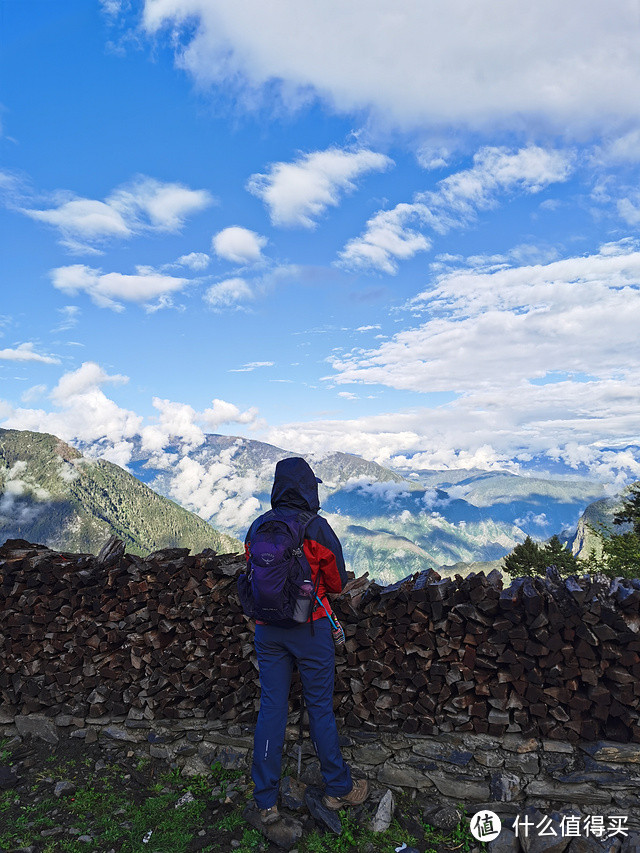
(295, 485)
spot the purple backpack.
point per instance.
(277, 587)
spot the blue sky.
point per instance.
(403, 231)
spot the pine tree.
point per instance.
(630, 512)
(556, 554)
(525, 559)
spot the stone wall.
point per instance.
(506, 774)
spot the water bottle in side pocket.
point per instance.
(302, 608)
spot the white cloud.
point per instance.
(69, 319)
(588, 426)
(460, 195)
(197, 261)
(520, 323)
(390, 236)
(389, 239)
(148, 203)
(388, 491)
(33, 393)
(540, 361)
(84, 412)
(16, 482)
(84, 380)
(26, 352)
(227, 294)
(619, 150)
(105, 289)
(213, 489)
(251, 366)
(431, 156)
(83, 218)
(629, 209)
(181, 422)
(112, 7)
(239, 245)
(422, 62)
(145, 205)
(539, 519)
(298, 193)
(222, 412)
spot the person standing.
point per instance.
(309, 645)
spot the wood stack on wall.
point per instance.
(166, 635)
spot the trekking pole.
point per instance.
(300, 734)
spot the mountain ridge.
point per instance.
(51, 493)
(414, 523)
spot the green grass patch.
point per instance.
(102, 807)
(230, 822)
(459, 838)
(355, 837)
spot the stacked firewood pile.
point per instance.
(164, 636)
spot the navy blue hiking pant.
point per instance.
(278, 649)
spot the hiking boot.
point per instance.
(356, 796)
(269, 816)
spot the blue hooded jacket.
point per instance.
(295, 488)
(295, 485)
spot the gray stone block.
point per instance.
(292, 793)
(506, 842)
(37, 725)
(8, 778)
(399, 776)
(516, 743)
(603, 750)
(284, 833)
(64, 788)
(489, 759)
(545, 835)
(230, 759)
(436, 751)
(118, 734)
(589, 844)
(583, 794)
(324, 816)
(557, 746)
(505, 786)
(527, 763)
(505, 811)
(463, 789)
(369, 754)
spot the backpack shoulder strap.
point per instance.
(304, 520)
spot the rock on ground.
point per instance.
(285, 833)
(381, 821)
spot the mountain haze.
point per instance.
(391, 523)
